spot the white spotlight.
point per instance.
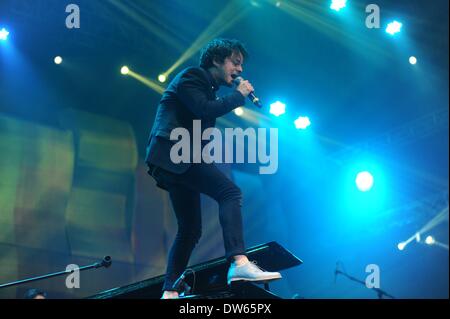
(412, 60)
(401, 246)
(338, 4)
(364, 181)
(278, 108)
(429, 240)
(239, 111)
(4, 34)
(58, 60)
(302, 122)
(162, 78)
(394, 27)
(124, 70)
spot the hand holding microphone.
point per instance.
(246, 89)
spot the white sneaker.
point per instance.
(250, 272)
(170, 295)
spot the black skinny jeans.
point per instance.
(184, 190)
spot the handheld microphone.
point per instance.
(252, 97)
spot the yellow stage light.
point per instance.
(124, 70)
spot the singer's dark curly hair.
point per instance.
(219, 49)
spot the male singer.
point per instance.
(192, 96)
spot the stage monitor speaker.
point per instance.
(210, 278)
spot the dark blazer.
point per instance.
(190, 96)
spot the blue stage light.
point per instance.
(364, 181)
(394, 27)
(338, 4)
(430, 240)
(4, 34)
(302, 122)
(277, 108)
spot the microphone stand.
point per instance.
(180, 282)
(106, 262)
(379, 292)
